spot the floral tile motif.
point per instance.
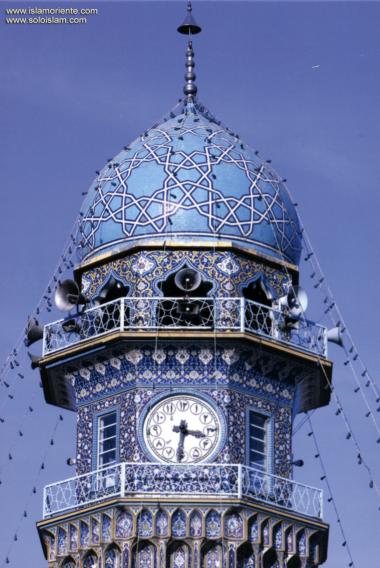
(228, 271)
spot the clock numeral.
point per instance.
(205, 418)
(155, 430)
(168, 453)
(158, 443)
(196, 408)
(169, 408)
(182, 405)
(195, 453)
(159, 418)
(205, 444)
(209, 430)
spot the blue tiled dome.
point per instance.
(189, 179)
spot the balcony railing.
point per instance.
(214, 481)
(203, 314)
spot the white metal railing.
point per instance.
(217, 314)
(172, 480)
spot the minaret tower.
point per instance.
(186, 354)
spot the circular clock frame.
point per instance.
(194, 428)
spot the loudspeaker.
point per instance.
(34, 360)
(71, 326)
(334, 335)
(34, 332)
(190, 309)
(67, 295)
(297, 301)
(188, 279)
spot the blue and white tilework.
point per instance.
(143, 272)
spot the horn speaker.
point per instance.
(67, 295)
(334, 335)
(188, 279)
(297, 301)
(34, 332)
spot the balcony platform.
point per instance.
(174, 315)
(158, 481)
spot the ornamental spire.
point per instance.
(189, 27)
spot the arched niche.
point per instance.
(106, 527)
(301, 543)
(270, 559)
(112, 557)
(90, 560)
(196, 523)
(68, 562)
(246, 556)
(145, 523)
(253, 529)
(265, 533)
(61, 541)
(144, 555)
(178, 555)
(213, 524)
(294, 562)
(233, 525)
(277, 536)
(212, 555)
(162, 523)
(124, 524)
(179, 523)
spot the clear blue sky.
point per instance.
(299, 81)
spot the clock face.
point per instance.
(182, 429)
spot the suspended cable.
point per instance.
(330, 498)
(341, 412)
(33, 491)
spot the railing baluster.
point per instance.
(219, 313)
(209, 480)
(122, 313)
(122, 479)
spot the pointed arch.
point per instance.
(213, 524)
(179, 523)
(277, 536)
(233, 525)
(253, 529)
(112, 557)
(162, 523)
(84, 534)
(212, 555)
(265, 533)
(68, 562)
(144, 555)
(90, 560)
(294, 562)
(61, 541)
(270, 559)
(301, 542)
(124, 524)
(106, 527)
(289, 540)
(145, 523)
(246, 556)
(196, 524)
(178, 555)
(73, 537)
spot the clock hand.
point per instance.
(183, 432)
(196, 433)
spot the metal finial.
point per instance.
(190, 89)
(189, 25)
(189, 28)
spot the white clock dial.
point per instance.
(182, 429)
